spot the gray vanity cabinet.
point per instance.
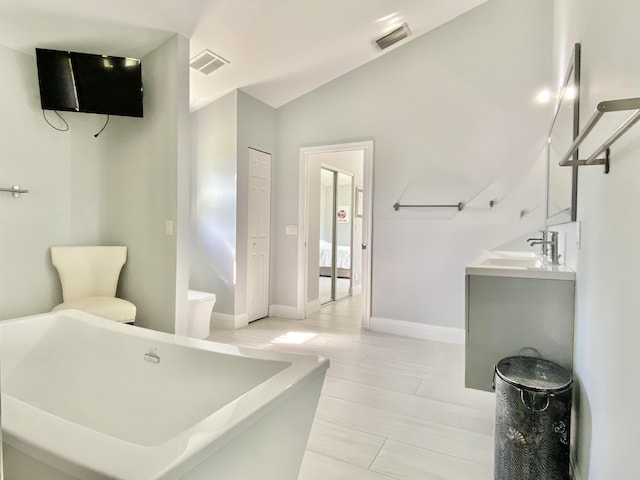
(507, 315)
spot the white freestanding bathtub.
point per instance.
(87, 398)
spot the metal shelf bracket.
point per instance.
(16, 191)
(459, 206)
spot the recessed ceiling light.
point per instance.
(207, 62)
(394, 36)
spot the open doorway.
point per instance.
(355, 161)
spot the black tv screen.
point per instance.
(83, 82)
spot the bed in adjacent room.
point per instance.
(343, 260)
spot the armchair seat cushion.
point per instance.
(112, 308)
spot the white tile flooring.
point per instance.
(392, 408)
(342, 288)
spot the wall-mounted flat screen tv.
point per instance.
(83, 82)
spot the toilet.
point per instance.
(199, 313)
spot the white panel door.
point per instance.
(259, 227)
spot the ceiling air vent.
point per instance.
(207, 62)
(394, 36)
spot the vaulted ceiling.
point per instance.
(277, 50)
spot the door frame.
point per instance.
(367, 223)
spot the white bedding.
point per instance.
(343, 255)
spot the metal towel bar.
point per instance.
(603, 107)
(15, 190)
(459, 206)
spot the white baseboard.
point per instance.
(229, 322)
(285, 311)
(418, 330)
(313, 306)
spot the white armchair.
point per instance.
(89, 277)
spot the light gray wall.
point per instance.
(450, 113)
(608, 262)
(142, 183)
(213, 204)
(222, 134)
(183, 185)
(65, 175)
(115, 189)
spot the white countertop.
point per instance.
(518, 265)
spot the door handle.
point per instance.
(364, 246)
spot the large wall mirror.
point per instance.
(562, 182)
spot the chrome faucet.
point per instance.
(549, 244)
(543, 242)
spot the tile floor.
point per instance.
(342, 289)
(392, 408)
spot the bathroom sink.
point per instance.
(510, 259)
(512, 254)
(522, 262)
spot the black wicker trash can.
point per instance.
(533, 418)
